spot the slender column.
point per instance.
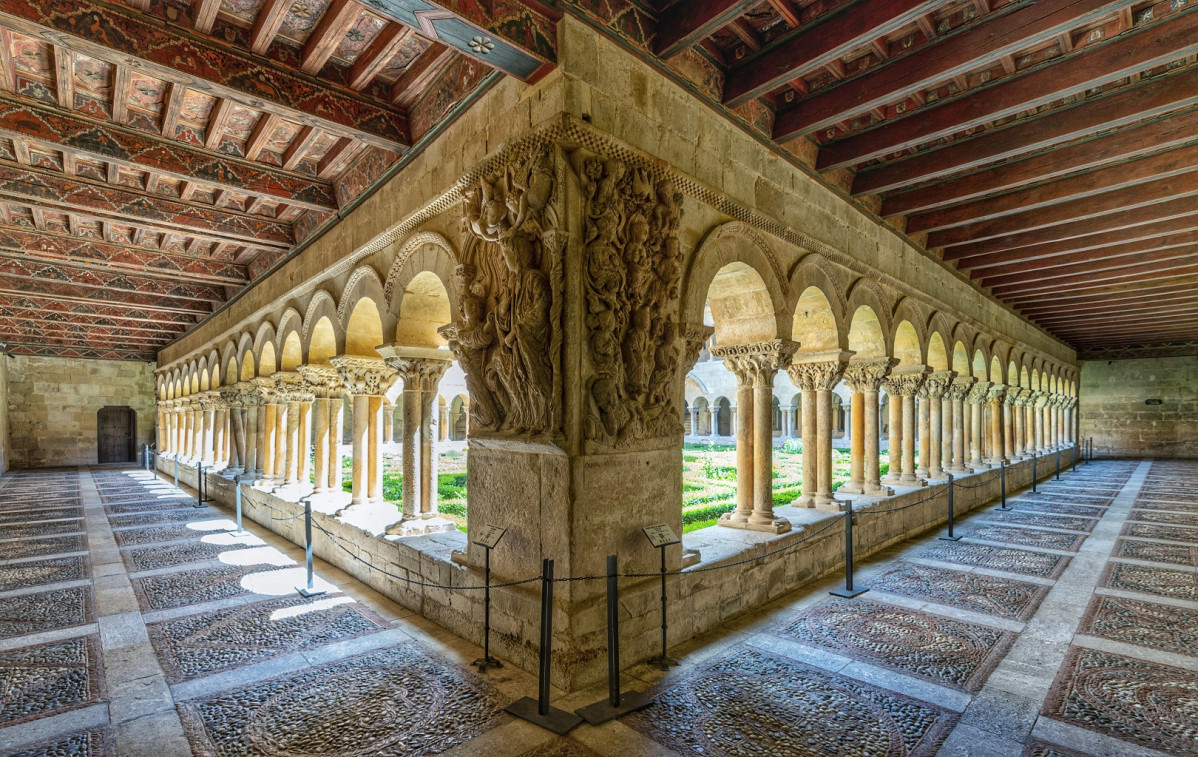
(206, 425)
(1038, 401)
(956, 393)
(1008, 423)
(366, 380)
(282, 438)
(734, 417)
(1071, 421)
(420, 370)
(816, 374)
(1015, 404)
(787, 415)
(997, 450)
(336, 424)
(712, 415)
(976, 399)
(894, 406)
(923, 415)
(902, 385)
(442, 425)
(1060, 414)
(236, 442)
(932, 394)
(1029, 422)
(295, 398)
(253, 431)
(754, 366)
(864, 377)
(694, 421)
(220, 419)
(324, 382)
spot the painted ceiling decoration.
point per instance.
(1045, 150)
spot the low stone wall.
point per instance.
(731, 578)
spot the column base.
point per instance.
(922, 472)
(891, 479)
(804, 501)
(997, 462)
(773, 526)
(959, 470)
(937, 473)
(852, 488)
(293, 492)
(912, 481)
(979, 465)
(826, 502)
(877, 490)
(421, 526)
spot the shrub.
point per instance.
(786, 496)
(792, 446)
(707, 513)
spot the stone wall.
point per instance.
(52, 406)
(1114, 412)
(4, 413)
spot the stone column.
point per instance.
(253, 424)
(957, 391)
(236, 438)
(734, 417)
(268, 428)
(1071, 421)
(931, 394)
(324, 381)
(220, 422)
(864, 377)
(902, 385)
(293, 392)
(976, 399)
(1060, 413)
(420, 369)
(1037, 408)
(442, 421)
(1008, 424)
(366, 380)
(754, 366)
(995, 448)
(816, 375)
(787, 416)
(894, 408)
(207, 410)
(1015, 407)
(694, 420)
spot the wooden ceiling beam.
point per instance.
(121, 82)
(327, 35)
(67, 340)
(1125, 106)
(7, 72)
(818, 45)
(299, 147)
(376, 57)
(1092, 283)
(217, 120)
(204, 15)
(983, 268)
(174, 106)
(1125, 144)
(64, 77)
(1129, 296)
(1122, 263)
(684, 24)
(176, 54)
(1133, 51)
(1096, 207)
(338, 157)
(18, 310)
(1153, 168)
(1122, 315)
(420, 73)
(108, 290)
(1005, 32)
(266, 25)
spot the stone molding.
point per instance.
(364, 376)
(867, 375)
(755, 364)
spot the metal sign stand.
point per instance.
(662, 536)
(487, 538)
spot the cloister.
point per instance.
(430, 377)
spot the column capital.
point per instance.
(265, 388)
(959, 387)
(1072, 402)
(755, 364)
(811, 371)
(1014, 396)
(208, 400)
(323, 381)
(905, 380)
(694, 336)
(1039, 399)
(977, 394)
(290, 387)
(231, 396)
(997, 392)
(935, 384)
(364, 375)
(420, 368)
(867, 374)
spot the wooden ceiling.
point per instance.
(158, 156)
(1048, 150)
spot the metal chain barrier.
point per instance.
(979, 484)
(271, 517)
(928, 498)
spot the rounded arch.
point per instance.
(816, 325)
(996, 371)
(422, 306)
(424, 252)
(213, 365)
(363, 283)
(322, 342)
(290, 322)
(731, 251)
(907, 345)
(245, 355)
(364, 329)
(291, 352)
(937, 352)
(268, 362)
(229, 363)
(980, 366)
(961, 362)
(867, 338)
(866, 293)
(322, 306)
(815, 272)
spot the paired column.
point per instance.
(324, 381)
(931, 397)
(816, 375)
(1014, 401)
(954, 428)
(902, 385)
(976, 399)
(366, 380)
(235, 411)
(694, 420)
(268, 428)
(864, 377)
(420, 370)
(1070, 421)
(754, 366)
(997, 442)
(294, 429)
(207, 411)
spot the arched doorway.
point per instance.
(116, 435)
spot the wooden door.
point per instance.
(116, 435)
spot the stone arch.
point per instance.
(907, 348)
(961, 362)
(264, 349)
(915, 313)
(693, 387)
(422, 305)
(729, 251)
(213, 365)
(322, 342)
(996, 371)
(228, 359)
(322, 305)
(937, 352)
(817, 325)
(291, 351)
(864, 293)
(245, 357)
(364, 329)
(867, 337)
(363, 283)
(422, 252)
(290, 322)
(980, 366)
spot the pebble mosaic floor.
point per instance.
(1063, 627)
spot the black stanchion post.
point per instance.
(199, 486)
(1002, 485)
(176, 470)
(310, 590)
(849, 590)
(487, 537)
(950, 536)
(1035, 457)
(1058, 478)
(237, 498)
(617, 703)
(539, 710)
(662, 536)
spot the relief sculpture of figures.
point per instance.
(508, 336)
(631, 273)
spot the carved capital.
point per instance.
(979, 391)
(1039, 399)
(419, 373)
(290, 387)
(997, 392)
(959, 388)
(694, 336)
(364, 375)
(818, 370)
(323, 381)
(866, 375)
(905, 381)
(207, 400)
(755, 364)
(231, 396)
(936, 384)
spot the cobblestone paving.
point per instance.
(942, 650)
(1177, 554)
(990, 595)
(399, 701)
(38, 572)
(42, 611)
(189, 515)
(1158, 516)
(133, 537)
(748, 702)
(37, 503)
(45, 679)
(560, 747)
(1025, 536)
(1041, 520)
(1145, 624)
(192, 586)
(202, 644)
(1036, 748)
(96, 742)
(1022, 561)
(1163, 582)
(1052, 498)
(15, 550)
(1085, 511)
(142, 506)
(51, 528)
(1175, 505)
(33, 516)
(1160, 531)
(170, 555)
(1142, 702)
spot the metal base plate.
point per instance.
(558, 721)
(950, 538)
(483, 663)
(847, 592)
(662, 662)
(602, 711)
(304, 591)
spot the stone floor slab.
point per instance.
(46, 679)
(1021, 561)
(48, 570)
(1165, 582)
(989, 595)
(1040, 519)
(1027, 537)
(42, 611)
(1145, 624)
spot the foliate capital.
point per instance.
(905, 381)
(936, 384)
(997, 392)
(364, 375)
(977, 393)
(818, 371)
(959, 388)
(755, 364)
(866, 375)
(694, 336)
(323, 381)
